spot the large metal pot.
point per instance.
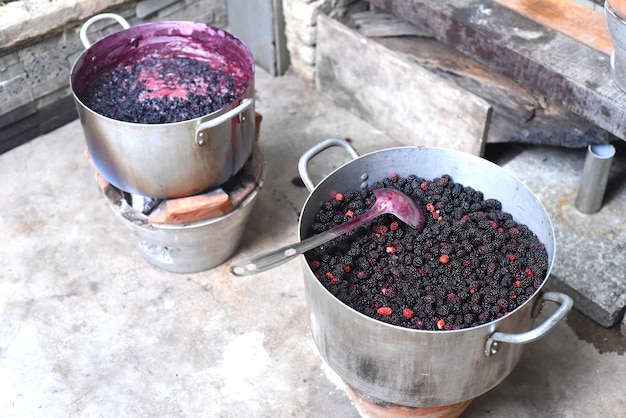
(173, 159)
(413, 367)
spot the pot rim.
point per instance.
(492, 325)
(160, 126)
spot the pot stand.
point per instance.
(197, 244)
(369, 407)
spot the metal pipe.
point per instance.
(595, 177)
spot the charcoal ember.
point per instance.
(143, 204)
(471, 264)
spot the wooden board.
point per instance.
(539, 58)
(519, 115)
(414, 106)
(568, 17)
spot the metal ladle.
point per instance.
(387, 201)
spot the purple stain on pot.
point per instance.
(163, 72)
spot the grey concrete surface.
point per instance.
(590, 256)
(89, 329)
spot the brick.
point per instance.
(15, 93)
(56, 97)
(57, 114)
(8, 63)
(17, 114)
(13, 20)
(91, 8)
(8, 143)
(45, 64)
(305, 13)
(204, 206)
(307, 35)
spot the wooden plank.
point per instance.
(566, 16)
(519, 115)
(374, 23)
(538, 58)
(414, 106)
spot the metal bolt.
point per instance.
(200, 140)
(494, 347)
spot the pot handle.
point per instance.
(201, 130)
(102, 16)
(565, 302)
(303, 162)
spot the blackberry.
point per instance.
(470, 265)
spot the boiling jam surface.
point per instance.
(158, 89)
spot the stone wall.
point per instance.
(300, 29)
(39, 42)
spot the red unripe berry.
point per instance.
(384, 311)
(408, 313)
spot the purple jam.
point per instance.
(163, 89)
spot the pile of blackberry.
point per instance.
(470, 265)
(117, 93)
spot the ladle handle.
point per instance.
(102, 16)
(277, 257)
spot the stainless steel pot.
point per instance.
(413, 367)
(175, 159)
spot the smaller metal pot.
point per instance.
(411, 367)
(172, 159)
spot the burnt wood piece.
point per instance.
(27, 122)
(539, 58)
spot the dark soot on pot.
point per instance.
(157, 89)
(472, 263)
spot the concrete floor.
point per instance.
(88, 328)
